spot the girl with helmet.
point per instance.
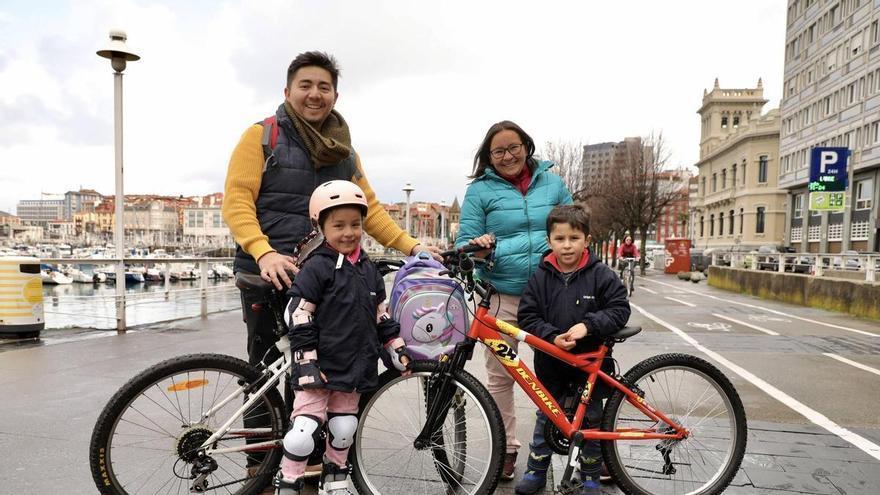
(338, 320)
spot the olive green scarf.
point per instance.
(327, 146)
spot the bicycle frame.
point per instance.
(274, 372)
(487, 329)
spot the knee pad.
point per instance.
(342, 428)
(301, 439)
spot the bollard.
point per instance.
(817, 268)
(167, 281)
(714, 259)
(870, 268)
(203, 284)
(781, 267)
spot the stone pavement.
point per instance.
(53, 390)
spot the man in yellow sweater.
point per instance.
(266, 203)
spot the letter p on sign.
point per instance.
(827, 158)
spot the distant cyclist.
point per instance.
(627, 250)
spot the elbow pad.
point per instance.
(299, 312)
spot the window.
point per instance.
(724, 179)
(798, 206)
(721, 223)
(864, 192)
(874, 33)
(711, 225)
(735, 121)
(724, 122)
(759, 220)
(744, 172)
(814, 233)
(859, 231)
(704, 186)
(217, 220)
(742, 218)
(835, 232)
(714, 182)
(702, 224)
(851, 94)
(797, 234)
(762, 169)
(730, 230)
(733, 175)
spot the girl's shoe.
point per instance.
(334, 480)
(509, 468)
(286, 487)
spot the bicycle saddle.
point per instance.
(252, 282)
(625, 333)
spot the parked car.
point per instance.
(798, 264)
(699, 260)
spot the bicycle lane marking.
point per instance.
(651, 291)
(812, 415)
(852, 363)
(738, 322)
(682, 302)
(731, 301)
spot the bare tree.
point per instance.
(639, 187)
(569, 160)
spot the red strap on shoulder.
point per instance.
(273, 131)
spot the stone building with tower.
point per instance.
(737, 203)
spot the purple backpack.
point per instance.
(429, 307)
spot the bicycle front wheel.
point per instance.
(696, 395)
(464, 456)
(146, 438)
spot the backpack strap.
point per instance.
(270, 140)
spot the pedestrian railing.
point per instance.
(852, 266)
(164, 301)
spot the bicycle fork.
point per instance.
(440, 394)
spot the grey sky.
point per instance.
(421, 82)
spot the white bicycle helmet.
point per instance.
(336, 193)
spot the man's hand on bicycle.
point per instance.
(568, 340)
(274, 267)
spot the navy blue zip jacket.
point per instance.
(553, 302)
(343, 329)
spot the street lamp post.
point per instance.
(408, 189)
(119, 55)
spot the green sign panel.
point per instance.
(827, 201)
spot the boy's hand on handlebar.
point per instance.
(274, 267)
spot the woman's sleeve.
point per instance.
(564, 194)
(472, 222)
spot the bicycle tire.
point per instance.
(637, 465)
(107, 442)
(424, 471)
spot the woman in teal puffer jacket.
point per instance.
(507, 203)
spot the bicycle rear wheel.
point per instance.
(696, 395)
(465, 456)
(146, 437)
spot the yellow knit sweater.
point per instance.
(243, 186)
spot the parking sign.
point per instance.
(828, 178)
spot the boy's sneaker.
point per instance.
(334, 480)
(286, 487)
(532, 482)
(509, 468)
(591, 487)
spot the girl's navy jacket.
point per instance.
(344, 329)
(553, 302)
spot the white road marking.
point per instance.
(756, 327)
(852, 363)
(682, 302)
(647, 289)
(766, 318)
(715, 325)
(767, 309)
(813, 416)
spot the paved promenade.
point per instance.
(52, 391)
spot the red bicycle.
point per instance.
(674, 423)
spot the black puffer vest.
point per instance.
(289, 177)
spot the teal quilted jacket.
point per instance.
(493, 205)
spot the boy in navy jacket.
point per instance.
(573, 300)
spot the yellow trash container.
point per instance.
(21, 296)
